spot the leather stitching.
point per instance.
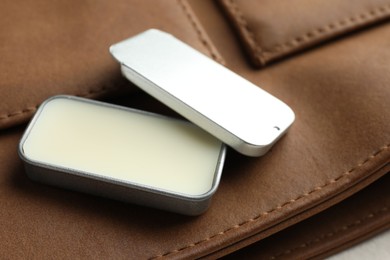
(325, 236)
(34, 108)
(343, 24)
(17, 113)
(339, 26)
(193, 22)
(196, 26)
(279, 207)
(245, 29)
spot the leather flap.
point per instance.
(270, 30)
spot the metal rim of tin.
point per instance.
(115, 181)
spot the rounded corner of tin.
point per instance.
(21, 152)
(207, 196)
(55, 97)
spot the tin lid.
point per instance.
(239, 113)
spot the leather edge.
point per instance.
(254, 229)
(261, 56)
(305, 215)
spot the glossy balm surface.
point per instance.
(121, 145)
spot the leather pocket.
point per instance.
(271, 30)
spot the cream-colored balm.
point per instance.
(123, 153)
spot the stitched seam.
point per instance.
(18, 113)
(329, 28)
(34, 108)
(193, 22)
(245, 29)
(263, 55)
(198, 31)
(325, 236)
(279, 207)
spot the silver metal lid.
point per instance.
(223, 103)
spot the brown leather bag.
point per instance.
(320, 189)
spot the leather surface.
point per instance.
(360, 216)
(338, 145)
(52, 47)
(271, 30)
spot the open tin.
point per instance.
(122, 153)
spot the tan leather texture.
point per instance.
(53, 47)
(360, 216)
(270, 30)
(338, 145)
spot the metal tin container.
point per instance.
(122, 153)
(231, 108)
